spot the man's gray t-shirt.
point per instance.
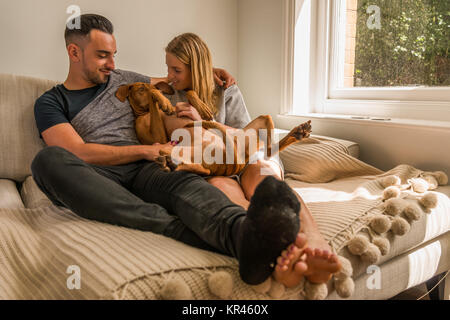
(103, 120)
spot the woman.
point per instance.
(189, 67)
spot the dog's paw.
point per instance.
(302, 131)
(162, 162)
(165, 161)
(170, 110)
(167, 108)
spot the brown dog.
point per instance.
(156, 121)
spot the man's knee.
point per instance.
(48, 159)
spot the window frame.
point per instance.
(325, 97)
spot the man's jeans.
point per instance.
(140, 195)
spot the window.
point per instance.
(386, 58)
(396, 43)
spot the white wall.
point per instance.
(260, 55)
(32, 33)
(260, 71)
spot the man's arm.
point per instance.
(64, 135)
(223, 78)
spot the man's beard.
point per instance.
(95, 77)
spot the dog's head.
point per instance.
(139, 94)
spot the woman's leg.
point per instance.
(231, 188)
(252, 175)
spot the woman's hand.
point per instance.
(223, 78)
(184, 109)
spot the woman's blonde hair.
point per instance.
(191, 50)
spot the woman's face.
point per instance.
(178, 73)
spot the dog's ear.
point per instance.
(164, 87)
(122, 92)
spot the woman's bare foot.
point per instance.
(322, 264)
(290, 267)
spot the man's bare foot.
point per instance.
(322, 264)
(290, 268)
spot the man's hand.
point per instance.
(184, 109)
(152, 151)
(223, 78)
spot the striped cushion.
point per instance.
(318, 160)
(19, 137)
(32, 196)
(9, 196)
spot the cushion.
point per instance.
(351, 146)
(320, 160)
(32, 196)
(19, 137)
(9, 196)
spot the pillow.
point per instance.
(320, 160)
(32, 196)
(19, 137)
(9, 196)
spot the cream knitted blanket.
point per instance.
(342, 192)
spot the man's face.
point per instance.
(98, 57)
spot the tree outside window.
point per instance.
(397, 43)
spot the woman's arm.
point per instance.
(236, 113)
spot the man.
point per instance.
(95, 166)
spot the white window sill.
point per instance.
(372, 120)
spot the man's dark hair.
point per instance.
(88, 22)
